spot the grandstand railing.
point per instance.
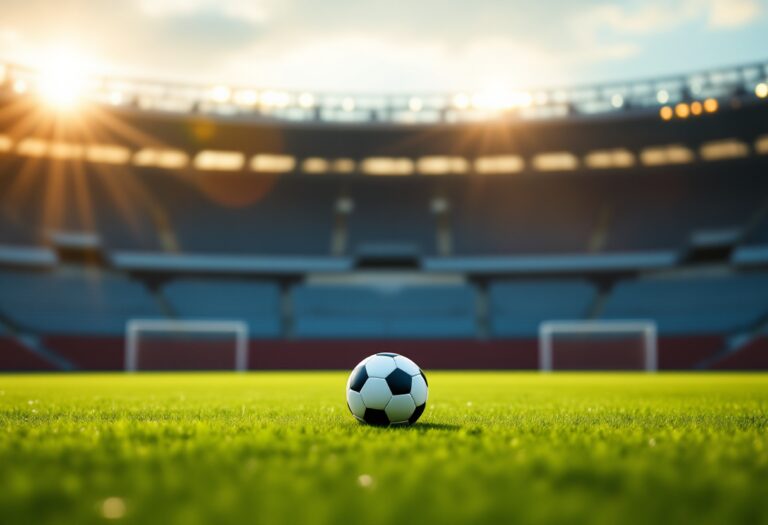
(737, 82)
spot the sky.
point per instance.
(392, 46)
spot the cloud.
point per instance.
(729, 14)
(251, 11)
(392, 45)
(657, 16)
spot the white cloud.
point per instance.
(251, 11)
(658, 15)
(651, 17)
(728, 14)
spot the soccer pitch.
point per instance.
(282, 448)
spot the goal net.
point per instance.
(598, 345)
(163, 344)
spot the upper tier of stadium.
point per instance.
(695, 118)
(738, 84)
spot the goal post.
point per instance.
(169, 344)
(598, 345)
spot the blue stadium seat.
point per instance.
(392, 215)
(109, 204)
(413, 312)
(518, 307)
(261, 214)
(74, 302)
(692, 305)
(255, 303)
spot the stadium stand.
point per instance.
(73, 302)
(127, 221)
(518, 307)
(348, 311)
(40, 199)
(526, 215)
(391, 220)
(692, 305)
(255, 303)
(671, 205)
(261, 214)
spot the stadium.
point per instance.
(189, 272)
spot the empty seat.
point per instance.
(40, 199)
(74, 302)
(246, 213)
(339, 311)
(692, 305)
(392, 215)
(518, 307)
(527, 215)
(255, 303)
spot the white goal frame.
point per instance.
(647, 328)
(135, 326)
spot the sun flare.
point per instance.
(63, 78)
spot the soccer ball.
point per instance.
(387, 389)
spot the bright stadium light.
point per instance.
(20, 86)
(306, 100)
(711, 105)
(617, 101)
(662, 96)
(246, 97)
(761, 90)
(62, 79)
(220, 94)
(666, 113)
(500, 99)
(696, 108)
(348, 104)
(117, 98)
(682, 110)
(276, 99)
(461, 101)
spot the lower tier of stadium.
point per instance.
(75, 319)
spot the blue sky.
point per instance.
(389, 46)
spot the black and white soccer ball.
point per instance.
(387, 389)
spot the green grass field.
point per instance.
(282, 448)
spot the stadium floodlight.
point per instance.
(348, 104)
(598, 345)
(220, 94)
(116, 98)
(461, 101)
(761, 90)
(276, 99)
(662, 96)
(169, 344)
(617, 101)
(20, 86)
(500, 99)
(306, 100)
(246, 97)
(696, 108)
(682, 110)
(711, 105)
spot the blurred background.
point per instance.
(280, 185)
